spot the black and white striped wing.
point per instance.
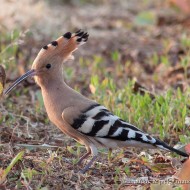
(101, 125)
(97, 121)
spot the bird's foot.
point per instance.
(82, 158)
(83, 171)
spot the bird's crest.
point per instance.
(64, 45)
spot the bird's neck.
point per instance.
(53, 87)
(56, 92)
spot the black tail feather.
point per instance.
(163, 145)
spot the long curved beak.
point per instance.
(19, 80)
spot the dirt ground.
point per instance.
(143, 33)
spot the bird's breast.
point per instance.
(53, 107)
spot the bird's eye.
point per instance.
(48, 66)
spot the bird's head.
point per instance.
(48, 63)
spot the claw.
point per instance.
(88, 165)
(83, 157)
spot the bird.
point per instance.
(2, 79)
(85, 120)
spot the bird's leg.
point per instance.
(83, 157)
(88, 165)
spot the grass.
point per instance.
(24, 121)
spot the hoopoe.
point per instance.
(86, 121)
(2, 79)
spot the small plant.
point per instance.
(5, 172)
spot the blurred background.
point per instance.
(142, 34)
(136, 63)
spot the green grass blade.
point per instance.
(14, 161)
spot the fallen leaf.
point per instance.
(2, 176)
(184, 175)
(2, 79)
(184, 5)
(1, 88)
(138, 88)
(187, 148)
(92, 88)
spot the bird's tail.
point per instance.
(162, 145)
